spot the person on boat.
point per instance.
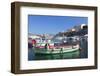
(34, 42)
(61, 51)
(47, 46)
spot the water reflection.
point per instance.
(69, 55)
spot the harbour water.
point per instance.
(68, 55)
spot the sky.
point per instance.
(42, 24)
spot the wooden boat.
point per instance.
(55, 50)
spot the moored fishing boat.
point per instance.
(55, 50)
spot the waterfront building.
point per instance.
(33, 36)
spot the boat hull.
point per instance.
(53, 51)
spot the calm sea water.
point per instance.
(69, 55)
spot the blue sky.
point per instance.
(42, 24)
